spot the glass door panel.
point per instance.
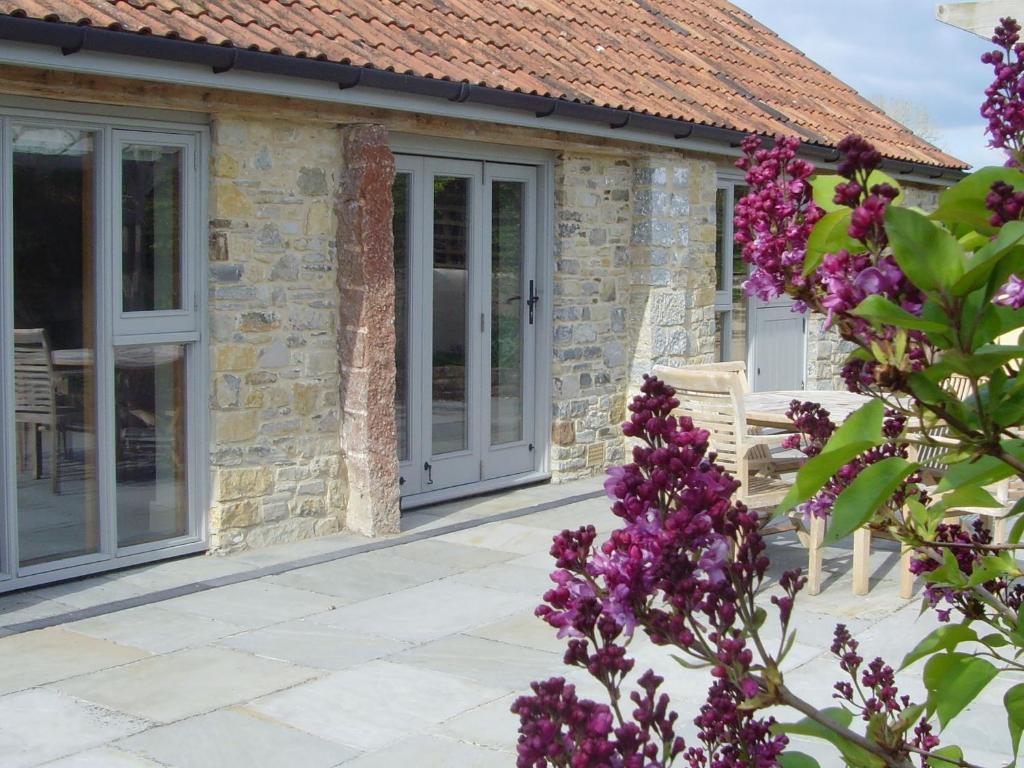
(401, 223)
(151, 178)
(451, 286)
(54, 194)
(508, 300)
(151, 459)
(451, 328)
(510, 239)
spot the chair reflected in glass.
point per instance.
(39, 405)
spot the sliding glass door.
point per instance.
(465, 254)
(100, 340)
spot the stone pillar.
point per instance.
(366, 339)
(672, 253)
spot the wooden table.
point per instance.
(768, 409)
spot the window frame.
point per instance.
(728, 182)
(128, 326)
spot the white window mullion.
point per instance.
(8, 451)
(106, 427)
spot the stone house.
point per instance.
(272, 270)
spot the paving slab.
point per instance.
(434, 752)
(362, 577)
(375, 704)
(426, 612)
(42, 725)
(508, 577)
(251, 604)
(45, 656)
(103, 757)
(457, 556)
(505, 536)
(177, 685)
(155, 629)
(522, 628)
(488, 662)
(491, 725)
(309, 644)
(235, 739)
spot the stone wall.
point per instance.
(275, 454)
(634, 287)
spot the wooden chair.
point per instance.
(713, 398)
(35, 401)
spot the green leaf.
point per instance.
(929, 256)
(861, 499)
(854, 755)
(993, 567)
(828, 236)
(945, 638)
(881, 310)
(953, 681)
(1014, 703)
(790, 759)
(966, 496)
(965, 201)
(861, 431)
(984, 471)
(984, 260)
(689, 664)
(953, 752)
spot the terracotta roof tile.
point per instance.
(699, 60)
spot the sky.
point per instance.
(896, 50)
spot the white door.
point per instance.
(777, 346)
(465, 251)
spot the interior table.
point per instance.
(768, 409)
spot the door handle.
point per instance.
(430, 472)
(534, 298)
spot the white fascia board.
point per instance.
(136, 68)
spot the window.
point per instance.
(730, 272)
(99, 266)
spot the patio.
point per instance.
(347, 651)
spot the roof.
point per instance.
(701, 61)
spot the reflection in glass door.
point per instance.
(465, 248)
(54, 184)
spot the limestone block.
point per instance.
(243, 483)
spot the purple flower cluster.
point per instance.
(1005, 203)
(1004, 98)
(969, 549)
(683, 568)
(872, 692)
(773, 222)
(773, 225)
(813, 428)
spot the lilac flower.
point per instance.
(1004, 106)
(1011, 294)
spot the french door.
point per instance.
(99, 345)
(466, 296)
